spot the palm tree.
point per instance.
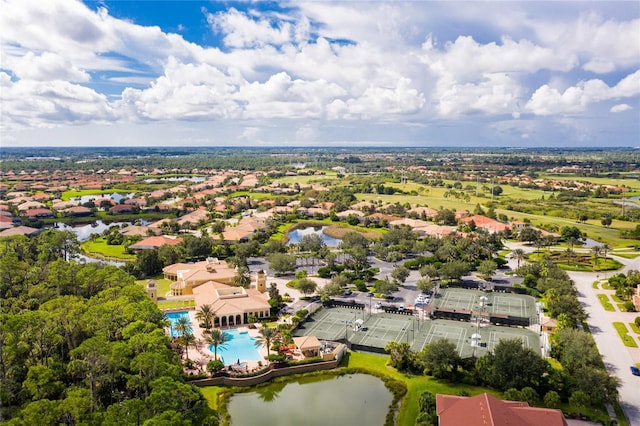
(518, 255)
(243, 277)
(597, 251)
(267, 336)
(184, 329)
(218, 339)
(207, 316)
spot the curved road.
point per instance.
(616, 356)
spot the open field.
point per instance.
(100, 247)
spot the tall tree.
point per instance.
(519, 255)
(185, 331)
(440, 359)
(218, 339)
(267, 335)
(206, 315)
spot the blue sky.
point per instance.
(320, 73)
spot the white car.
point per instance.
(378, 305)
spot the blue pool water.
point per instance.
(173, 318)
(239, 347)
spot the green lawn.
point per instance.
(100, 247)
(634, 327)
(606, 304)
(577, 261)
(163, 285)
(623, 332)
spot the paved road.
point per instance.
(617, 357)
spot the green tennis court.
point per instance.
(375, 331)
(515, 305)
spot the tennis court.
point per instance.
(460, 334)
(456, 298)
(331, 324)
(379, 329)
(511, 304)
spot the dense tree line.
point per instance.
(83, 344)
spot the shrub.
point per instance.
(324, 272)
(360, 285)
(629, 306)
(214, 366)
(637, 321)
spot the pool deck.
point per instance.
(202, 355)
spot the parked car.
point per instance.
(378, 305)
(635, 370)
(347, 292)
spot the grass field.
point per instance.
(164, 286)
(101, 248)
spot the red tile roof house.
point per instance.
(38, 213)
(487, 223)
(153, 243)
(485, 410)
(121, 208)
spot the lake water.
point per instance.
(296, 235)
(84, 231)
(314, 401)
(194, 179)
(115, 196)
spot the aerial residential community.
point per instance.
(319, 213)
(451, 283)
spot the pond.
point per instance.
(83, 232)
(296, 235)
(194, 179)
(115, 196)
(313, 401)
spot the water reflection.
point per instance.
(83, 232)
(296, 235)
(357, 399)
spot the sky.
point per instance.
(320, 73)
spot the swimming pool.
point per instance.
(240, 346)
(173, 319)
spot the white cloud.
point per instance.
(241, 31)
(620, 108)
(48, 66)
(249, 134)
(28, 103)
(547, 100)
(348, 62)
(495, 94)
(599, 66)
